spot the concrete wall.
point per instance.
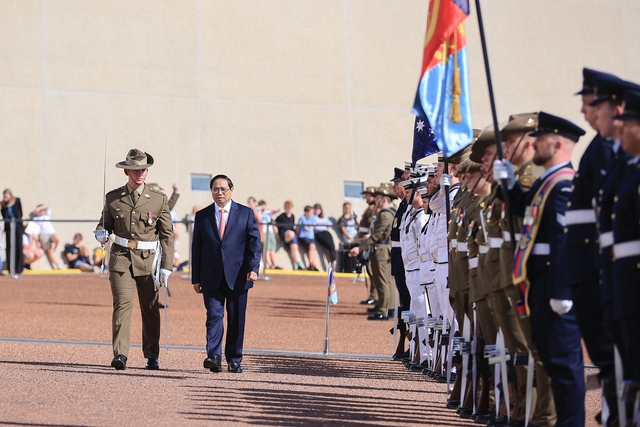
(288, 97)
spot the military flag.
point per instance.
(443, 92)
(333, 291)
(424, 140)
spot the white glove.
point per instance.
(561, 306)
(503, 169)
(164, 276)
(445, 180)
(101, 235)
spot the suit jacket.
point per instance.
(149, 220)
(232, 257)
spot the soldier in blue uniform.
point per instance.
(581, 270)
(626, 239)
(538, 263)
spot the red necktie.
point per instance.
(222, 224)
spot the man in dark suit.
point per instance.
(226, 258)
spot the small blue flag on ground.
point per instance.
(333, 291)
(424, 140)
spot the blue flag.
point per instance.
(443, 91)
(424, 140)
(333, 291)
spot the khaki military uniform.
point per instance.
(147, 220)
(486, 320)
(365, 222)
(380, 260)
(463, 302)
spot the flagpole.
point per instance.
(498, 136)
(326, 321)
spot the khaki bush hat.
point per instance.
(136, 160)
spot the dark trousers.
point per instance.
(630, 330)
(325, 240)
(557, 339)
(236, 307)
(19, 256)
(595, 332)
(403, 291)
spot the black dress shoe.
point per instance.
(152, 364)
(377, 317)
(372, 309)
(213, 363)
(119, 362)
(369, 301)
(161, 305)
(235, 368)
(484, 418)
(465, 412)
(453, 403)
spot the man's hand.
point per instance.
(101, 235)
(164, 276)
(503, 169)
(561, 306)
(354, 252)
(252, 276)
(445, 180)
(197, 288)
(175, 187)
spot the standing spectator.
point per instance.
(251, 202)
(269, 234)
(48, 238)
(12, 208)
(348, 223)
(323, 236)
(285, 225)
(77, 254)
(306, 236)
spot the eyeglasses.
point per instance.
(220, 190)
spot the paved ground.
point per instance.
(54, 357)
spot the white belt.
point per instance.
(134, 244)
(483, 249)
(507, 236)
(411, 255)
(473, 263)
(580, 216)
(454, 243)
(626, 249)
(541, 249)
(395, 244)
(606, 239)
(462, 246)
(363, 230)
(495, 242)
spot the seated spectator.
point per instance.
(31, 250)
(98, 256)
(269, 243)
(77, 255)
(306, 236)
(285, 224)
(322, 234)
(49, 240)
(348, 223)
